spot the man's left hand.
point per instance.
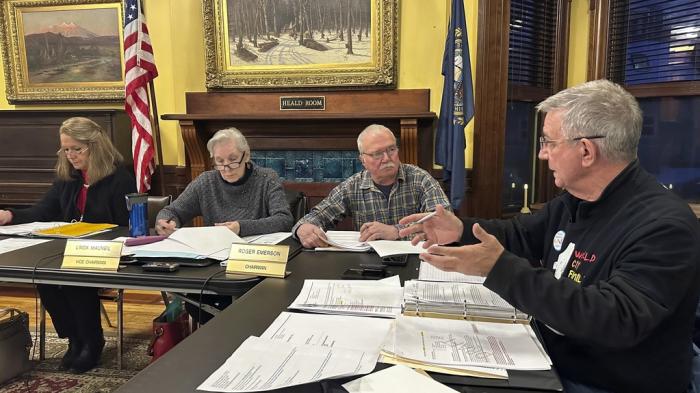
(234, 226)
(475, 259)
(377, 231)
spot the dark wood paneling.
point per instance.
(28, 144)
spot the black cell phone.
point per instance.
(160, 266)
(395, 260)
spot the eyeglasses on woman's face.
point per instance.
(222, 166)
(72, 151)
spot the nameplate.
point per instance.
(92, 255)
(316, 103)
(258, 260)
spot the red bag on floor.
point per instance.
(168, 330)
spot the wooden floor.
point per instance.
(140, 307)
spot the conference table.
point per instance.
(189, 363)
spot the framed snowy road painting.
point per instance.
(300, 43)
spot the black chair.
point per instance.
(297, 203)
(155, 204)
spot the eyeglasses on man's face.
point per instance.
(72, 151)
(547, 143)
(229, 165)
(378, 155)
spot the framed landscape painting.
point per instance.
(62, 50)
(300, 43)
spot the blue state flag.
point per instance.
(457, 105)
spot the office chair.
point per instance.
(297, 203)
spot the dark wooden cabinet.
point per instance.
(28, 144)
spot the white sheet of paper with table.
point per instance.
(396, 379)
(196, 243)
(429, 272)
(351, 297)
(267, 238)
(263, 364)
(11, 244)
(457, 343)
(344, 241)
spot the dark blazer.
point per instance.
(105, 201)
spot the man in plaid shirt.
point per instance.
(376, 198)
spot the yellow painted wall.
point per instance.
(178, 40)
(578, 43)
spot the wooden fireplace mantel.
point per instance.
(258, 116)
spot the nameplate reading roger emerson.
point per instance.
(317, 103)
(92, 254)
(258, 260)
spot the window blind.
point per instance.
(653, 41)
(532, 42)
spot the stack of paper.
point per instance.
(429, 272)
(301, 348)
(345, 241)
(267, 238)
(351, 297)
(457, 300)
(29, 228)
(74, 230)
(457, 343)
(11, 244)
(194, 243)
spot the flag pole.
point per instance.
(156, 126)
(156, 136)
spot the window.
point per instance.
(654, 50)
(531, 78)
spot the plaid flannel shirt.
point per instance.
(414, 191)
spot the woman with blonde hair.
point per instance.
(90, 186)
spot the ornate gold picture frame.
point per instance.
(300, 43)
(62, 50)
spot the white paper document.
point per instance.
(429, 272)
(11, 244)
(385, 248)
(344, 241)
(28, 228)
(396, 379)
(196, 243)
(350, 297)
(267, 238)
(262, 364)
(338, 331)
(454, 343)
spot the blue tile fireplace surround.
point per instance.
(323, 166)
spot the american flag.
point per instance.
(140, 68)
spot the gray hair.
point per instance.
(229, 135)
(601, 108)
(372, 129)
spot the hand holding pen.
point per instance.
(438, 227)
(165, 227)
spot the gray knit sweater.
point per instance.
(259, 205)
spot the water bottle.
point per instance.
(137, 204)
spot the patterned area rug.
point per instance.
(45, 377)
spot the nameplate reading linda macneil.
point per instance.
(92, 254)
(316, 103)
(258, 260)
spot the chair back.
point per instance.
(155, 204)
(297, 203)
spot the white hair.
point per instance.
(600, 108)
(373, 129)
(228, 135)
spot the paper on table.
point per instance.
(197, 242)
(429, 272)
(268, 238)
(12, 244)
(28, 228)
(337, 331)
(263, 364)
(385, 248)
(456, 342)
(344, 241)
(350, 297)
(465, 371)
(396, 379)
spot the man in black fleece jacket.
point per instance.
(609, 269)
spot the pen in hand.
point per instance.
(420, 221)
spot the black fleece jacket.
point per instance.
(620, 316)
(105, 201)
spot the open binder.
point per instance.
(458, 300)
(74, 230)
